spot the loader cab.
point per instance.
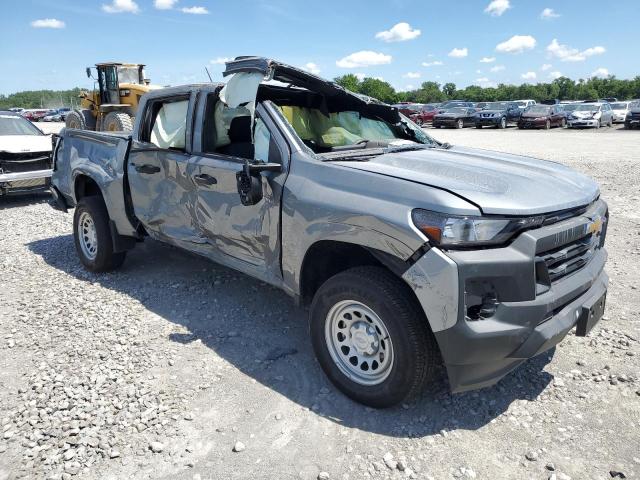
(112, 75)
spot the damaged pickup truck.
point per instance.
(408, 252)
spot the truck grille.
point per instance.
(569, 258)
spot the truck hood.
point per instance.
(498, 183)
(25, 143)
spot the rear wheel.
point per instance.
(117, 122)
(419, 122)
(563, 123)
(371, 338)
(92, 236)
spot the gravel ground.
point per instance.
(176, 368)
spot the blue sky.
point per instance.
(47, 44)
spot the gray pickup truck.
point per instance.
(409, 252)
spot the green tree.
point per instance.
(348, 81)
(379, 89)
(449, 89)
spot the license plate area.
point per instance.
(591, 314)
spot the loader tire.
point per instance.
(117, 122)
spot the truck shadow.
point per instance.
(260, 331)
(22, 200)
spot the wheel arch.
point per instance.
(326, 258)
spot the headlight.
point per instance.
(451, 231)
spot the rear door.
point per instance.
(161, 190)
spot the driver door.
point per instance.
(246, 237)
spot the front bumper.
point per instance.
(24, 181)
(488, 121)
(586, 123)
(530, 123)
(529, 314)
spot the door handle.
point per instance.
(204, 179)
(146, 168)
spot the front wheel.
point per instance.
(371, 338)
(478, 126)
(460, 123)
(117, 122)
(563, 123)
(547, 125)
(503, 123)
(92, 236)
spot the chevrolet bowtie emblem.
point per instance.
(595, 225)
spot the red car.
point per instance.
(425, 114)
(543, 116)
(34, 115)
(408, 108)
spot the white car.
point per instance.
(592, 114)
(620, 110)
(524, 104)
(25, 155)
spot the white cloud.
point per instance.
(487, 59)
(435, 63)
(48, 23)
(195, 10)
(569, 54)
(164, 4)
(119, 6)
(478, 72)
(600, 72)
(497, 68)
(411, 75)
(497, 7)
(548, 14)
(546, 66)
(312, 67)
(529, 76)
(400, 32)
(555, 74)
(220, 60)
(517, 44)
(485, 82)
(459, 52)
(364, 58)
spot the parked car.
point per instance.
(497, 115)
(408, 108)
(543, 116)
(52, 117)
(456, 117)
(632, 119)
(590, 115)
(524, 104)
(34, 114)
(620, 110)
(407, 250)
(25, 155)
(454, 104)
(425, 114)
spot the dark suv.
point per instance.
(498, 115)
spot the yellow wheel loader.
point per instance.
(112, 107)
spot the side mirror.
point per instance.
(88, 72)
(249, 181)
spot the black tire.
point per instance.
(415, 353)
(105, 258)
(81, 119)
(503, 123)
(460, 123)
(419, 122)
(117, 122)
(563, 123)
(547, 125)
(478, 126)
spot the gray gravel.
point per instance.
(168, 367)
